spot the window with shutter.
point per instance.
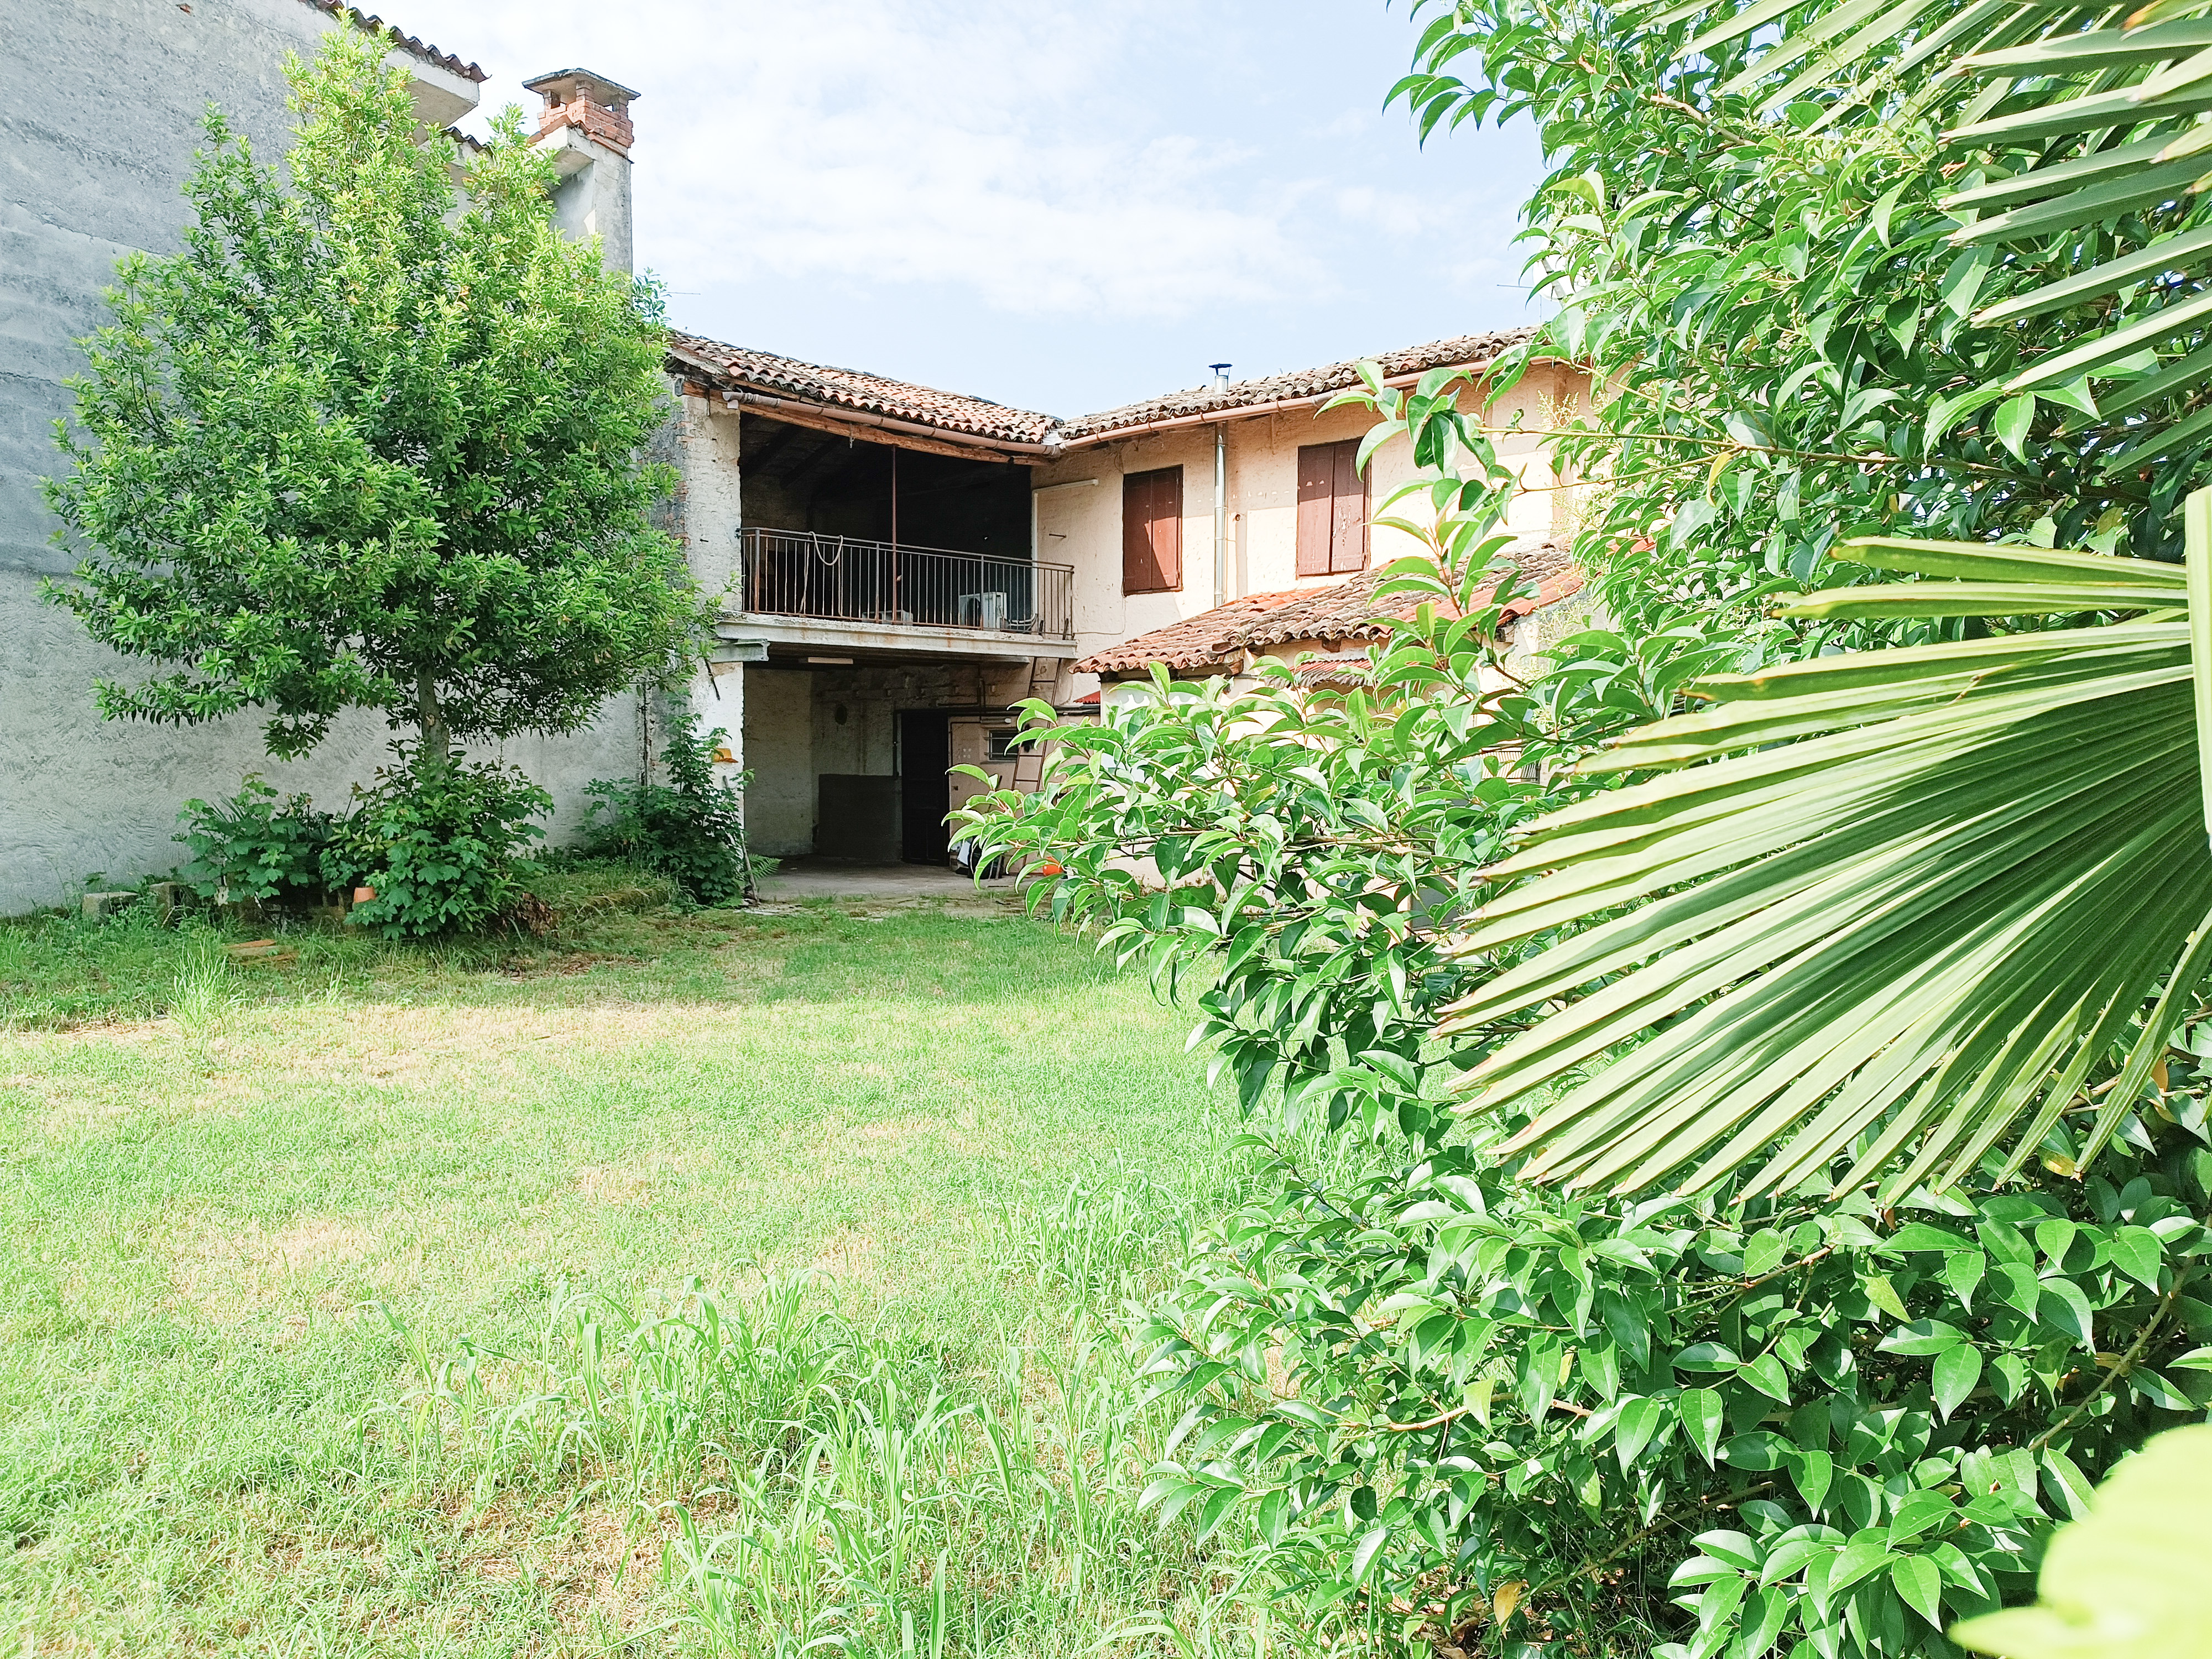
(1332, 509)
(1152, 530)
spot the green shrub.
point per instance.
(1429, 1401)
(690, 829)
(442, 847)
(1447, 1402)
(255, 845)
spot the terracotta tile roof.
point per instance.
(949, 411)
(1331, 671)
(423, 49)
(1300, 383)
(1216, 641)
(1208, 640)
(851, 388)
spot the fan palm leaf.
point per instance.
(2087, 120)
(1885, 912)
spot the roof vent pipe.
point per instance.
(1220, 496)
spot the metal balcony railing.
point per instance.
(801, 572)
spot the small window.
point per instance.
(1002, 744)
(1152, 530)
(1332, 509)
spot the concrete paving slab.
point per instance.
(800, 879)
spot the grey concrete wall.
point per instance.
(99, 119)
(778, 747)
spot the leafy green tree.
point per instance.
(1884, 958)
(1430, 1400)
(1854, 278)
(1852, 270)
(370, 442)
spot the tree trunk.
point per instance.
(431, 720)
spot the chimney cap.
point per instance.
(558, 85)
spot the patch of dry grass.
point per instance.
(211, 1220)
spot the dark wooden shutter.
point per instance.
(1347, 539)
(1316, 507)
(1332, 509)
(1152, 530)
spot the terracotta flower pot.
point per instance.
(363, 895)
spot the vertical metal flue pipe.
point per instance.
(1220, 496)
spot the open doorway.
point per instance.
(925, 754)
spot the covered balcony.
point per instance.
(851, 545)
(851, 579)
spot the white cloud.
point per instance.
(1062, 206)
(1021, 152)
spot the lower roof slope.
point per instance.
(1463, 350)
(399, 37)
(1216, 641)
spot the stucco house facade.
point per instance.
(898, 564)
(893, 565)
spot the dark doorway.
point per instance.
(925, 753)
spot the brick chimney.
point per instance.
(585, 124)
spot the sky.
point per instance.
(1064, 208)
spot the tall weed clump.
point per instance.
(818, 1483)
(690, 829)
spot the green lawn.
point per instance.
(345, 1307)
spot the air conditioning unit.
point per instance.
(983, 610)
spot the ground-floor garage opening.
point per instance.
(849, 759)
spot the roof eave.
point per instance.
(393, 34)
(737, 391)
(1228, 413)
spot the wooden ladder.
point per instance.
(1029, 761)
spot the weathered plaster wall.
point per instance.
(96, 136)
(871, 695)
(778, 747)
(593, 195)
(711, 495)
(1082, 525)
(704, 449)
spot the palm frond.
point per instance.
(1878, 912)
(2084, 120)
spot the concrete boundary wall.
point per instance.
(97, 135)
